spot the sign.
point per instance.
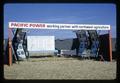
(41, 43)
(58, 26)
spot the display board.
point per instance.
(41, 43)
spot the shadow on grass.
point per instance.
(41, 56)
(92, 58)
(76, 57)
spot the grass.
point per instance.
(60, 68)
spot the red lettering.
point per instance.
(14, 24)
(43, 25)
(37, 25)
(18, 25)
(25, 25)
(30, 25)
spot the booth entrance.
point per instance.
(91, 29)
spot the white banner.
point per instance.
(41, 43)
(58, 26)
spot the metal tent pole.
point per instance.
(110, 45)
(10, 49)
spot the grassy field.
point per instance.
(60, 68)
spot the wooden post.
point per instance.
(110, 45)
(10, 49)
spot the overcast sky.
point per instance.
(60, 13)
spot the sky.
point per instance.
(60, 13)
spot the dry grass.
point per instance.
(60, 68)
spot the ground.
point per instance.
(60, 68)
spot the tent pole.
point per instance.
(110, 45)
(10, 50)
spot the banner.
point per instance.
(40, 43)
(58, 26)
